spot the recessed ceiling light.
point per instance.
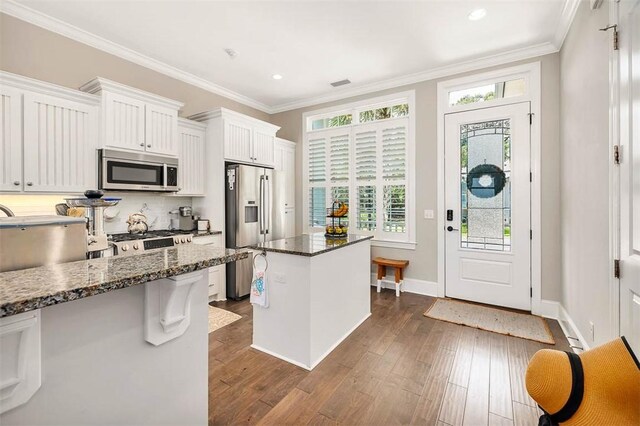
(477, 14)
(276, 77)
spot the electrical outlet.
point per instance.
(428, 214)
(592, 331)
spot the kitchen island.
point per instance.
(76, 351)
(318, 292)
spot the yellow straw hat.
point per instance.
(598, 387)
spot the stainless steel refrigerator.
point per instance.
(254, 213)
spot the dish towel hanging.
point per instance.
(259, 284)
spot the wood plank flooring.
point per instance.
(398, 367)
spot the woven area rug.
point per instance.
(491, 319)
(218, 318)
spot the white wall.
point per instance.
(584, 135)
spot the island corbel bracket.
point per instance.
(168, 307)
(20, 375)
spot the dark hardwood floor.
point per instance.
(398, 367)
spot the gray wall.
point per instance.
(34, 52)
(424, 259)
(584, 134)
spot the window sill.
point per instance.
(394, 244)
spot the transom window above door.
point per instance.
(363, 155)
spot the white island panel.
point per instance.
(317, 297)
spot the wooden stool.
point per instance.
(399, 266)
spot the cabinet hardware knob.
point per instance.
(142, 144)
(29, 183)
(16, 183)
(149, 146)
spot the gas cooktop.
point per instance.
(129, 244)
(116, 238)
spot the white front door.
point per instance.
(487, 202)
(630, 172)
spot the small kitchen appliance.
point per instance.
(185, 218)
(97, 243)
(130, 171)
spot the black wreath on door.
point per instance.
(491, 171)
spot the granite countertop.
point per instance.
(310, 245)
(35, 288)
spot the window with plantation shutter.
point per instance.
(365, 164)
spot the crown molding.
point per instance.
(99, 84)
(191, 124)
(566, 19)
(22, 12)
(45, 88)
(228, 113)
(446, 71)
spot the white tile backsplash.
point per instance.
(155, 206)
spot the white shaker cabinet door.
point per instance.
(59, 144)
(191, 174)
(238, 141)
(264, 147)
(124, 122)
(289, 223)
(10, 139)
(161, 130)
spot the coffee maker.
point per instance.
(185, 218)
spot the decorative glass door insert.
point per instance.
(485, 201)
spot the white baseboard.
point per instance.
(410, 285)
(571, 331)
(547, 309)
(319, 360)
(335, 345)
(284, 358)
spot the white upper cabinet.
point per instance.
(191, 138)
(48, 137)
(136, 120)
(285, 161)
(161, 132)
(238, 141)
(11, 139)
(59, 146)
(244, 139)
(264, 145)
(124, 121)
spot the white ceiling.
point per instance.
(311, 43)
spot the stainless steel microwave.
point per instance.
(132, 171)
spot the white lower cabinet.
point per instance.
(217, 274)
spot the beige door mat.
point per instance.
(491, 319)
(218, 318)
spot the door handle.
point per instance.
(267, 204)
(261, 212)
(451, 229)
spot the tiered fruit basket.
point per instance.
(337, 214)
